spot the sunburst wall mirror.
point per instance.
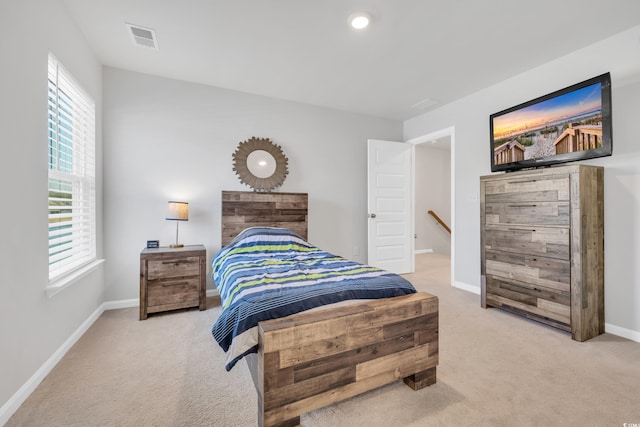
(260, 164)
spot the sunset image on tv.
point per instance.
(564, 124)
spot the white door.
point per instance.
(390, 245)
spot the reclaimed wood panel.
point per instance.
(310, 360)
(542, 246)
(244, 209)
(587, 252)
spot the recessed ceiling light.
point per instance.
(359, 20)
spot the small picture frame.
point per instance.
(153, 244)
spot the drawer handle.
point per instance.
(519, 229)
(523, 206)
(176, 283)
(522, 182)
(177, 262)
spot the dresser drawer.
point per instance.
(550, 242)
(526, 292)
(548, 305)
(539, 189)
(178, 267)
(539, 286)
(537, 271)
(528, 212)
(174, 293)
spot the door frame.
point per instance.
(450, 132)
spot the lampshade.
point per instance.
(178, 211)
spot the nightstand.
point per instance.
(172, 278)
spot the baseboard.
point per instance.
(128, 303)
(467, 287)
(12, 405)
(124, 303)
(423, 251)
(622, 332)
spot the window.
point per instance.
(71, 146)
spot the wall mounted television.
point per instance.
(570, 124)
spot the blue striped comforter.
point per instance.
(267, 273)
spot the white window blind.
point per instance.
(71, 144)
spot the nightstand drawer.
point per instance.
(166, 268)
(164, 292)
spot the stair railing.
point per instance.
(439, 220)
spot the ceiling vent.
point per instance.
(425, 104)
(140, 36)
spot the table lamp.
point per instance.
(177, 211)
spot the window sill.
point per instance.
(59, 284)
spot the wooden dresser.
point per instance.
(172, 278)
(542, 246)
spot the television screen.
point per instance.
(571, 124)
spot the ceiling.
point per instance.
(304, 51)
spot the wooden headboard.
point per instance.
(243, 209)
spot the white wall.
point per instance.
(33, 326)
(433, 192)
(619, 55)
(167, 139)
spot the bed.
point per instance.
(302, 358)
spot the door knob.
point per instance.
(372, 215)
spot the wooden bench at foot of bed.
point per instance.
(313, 359)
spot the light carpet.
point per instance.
(495, 369)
